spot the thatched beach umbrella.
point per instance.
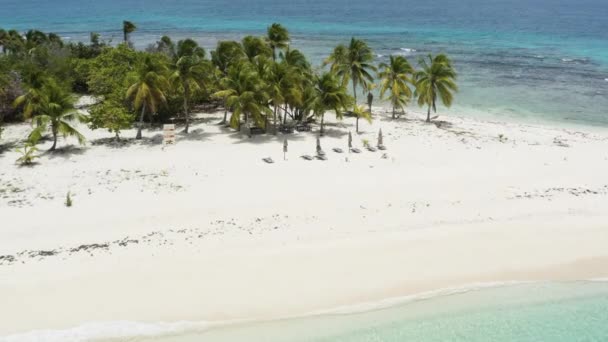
(284, 148)
(381, 141)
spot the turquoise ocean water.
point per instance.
(543, 312)
(523, 312)
(536, 60)
(557, 312)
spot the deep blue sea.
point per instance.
(533, 60)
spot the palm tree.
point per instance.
(330, 94)
(278, 38)
(166, 46)
(353, 63)
(35, 80)
(33, 39)
(190, 70)
(361, 113)
(14, 42)
(395, 77)
(254, 47)
(284, 87)
(127, 28)
(436, 78)
(245, 94)
(226, 54)
(147, 92)
(57, 110)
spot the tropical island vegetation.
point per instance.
(261, 82)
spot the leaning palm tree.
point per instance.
(435, 79)
(190, 72)
(147, 90)
(57, 111)
(395, 77)
(127, 28)
(278, 38)
(330, 94)
(353, 63)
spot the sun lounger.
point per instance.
(307, 157)
(355, 150)
(286, 129)
(337, 150)
(303, 127)
(382, 147)
(371, 149)
(268, 160)
(256, 130)
(321, 157)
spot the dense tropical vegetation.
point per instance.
(259, 82)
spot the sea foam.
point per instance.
(106, 330)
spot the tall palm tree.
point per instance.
(226, 54)
(127, 28)
(278, 38)
(353, 63)
(190, 72)
(394, 79)
(245, 95)
(284, 88)
(147, 91)
(330, 94)
(435, 79)
(57, 110)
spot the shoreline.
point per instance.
(531, 208)
(118, 330)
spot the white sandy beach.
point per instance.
(204, 230)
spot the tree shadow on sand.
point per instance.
(65, 152)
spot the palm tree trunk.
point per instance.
(225, 113)
(428, 114)
(141, 121)
(54, 139)
(355, 94)
(186, 95)
(275, 120)
(357, 129)
(322, 120)
(393, 112)
(284, 116)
